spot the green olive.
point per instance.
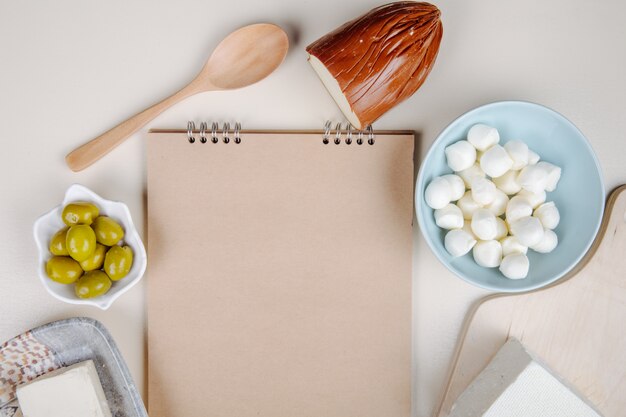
(79, 213)
(96, 259)
(80, 242)
(108, 231)
(57, 243)
(63, 269)
(92, 284)
(118, 261)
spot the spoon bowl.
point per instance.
(244, 57)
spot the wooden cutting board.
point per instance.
(578, 326)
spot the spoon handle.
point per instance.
(85, 155)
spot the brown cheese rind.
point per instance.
(382, 57)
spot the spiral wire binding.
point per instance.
(236, 133)
(203, 132)
(191, 126)
(214, 128)
(348, 140)
(326, 132)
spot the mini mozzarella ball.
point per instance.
(467, 226)
(548, 215)
(518, 151)
(449, 217)
(483, 190)
(510, 245)
(460, 155)
(438, 194)
(515, 266)
(488, 253)
(508, 182)
(499, 203)
(468, 174)
(553, 173)
(502, 229)
(534, 199)
(467, 205)
(547, 243)
(484, 224)
(496, 161)
(457, 186)
(533, 178)
(483, 136)
(528, 230)
(518, 207)
(533, 157)
(458, 242)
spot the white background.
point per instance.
(70, 70)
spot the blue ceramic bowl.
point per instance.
(579, 195)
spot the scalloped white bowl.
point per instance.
(48, 224)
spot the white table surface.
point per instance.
(71, 69)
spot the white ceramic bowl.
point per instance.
(50, 223)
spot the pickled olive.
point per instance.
(57, 243)
(80, 242)
(92, 284)
(118, 261)
(63, 269)
(108, 231)
(79, 213)
(96, 260)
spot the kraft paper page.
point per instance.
(279, 276)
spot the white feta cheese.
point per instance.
(74, 391)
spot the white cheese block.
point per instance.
(74, 391)
(515, 384)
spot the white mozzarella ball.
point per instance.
(502, 229)
(496, 161)
(548, 215)
(457, 186)
(533, 157)
(499, 203)
(468, 174)
(488, 253)
(483, 136)
(467, 226)
(484, 224)
(518, 151)
(510, 245)
(458, 242)
(533, 178)
(518, 207)
(483, 190)
(547, 243)
(528, 230)
(534, 199)
(508, 182)
(515, 266)
(449, 217)
(438, 194)
(460, 155)
(467, 205)
(553, 174)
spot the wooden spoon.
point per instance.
(244, 57)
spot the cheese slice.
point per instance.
(74, 391)
(516, 384)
